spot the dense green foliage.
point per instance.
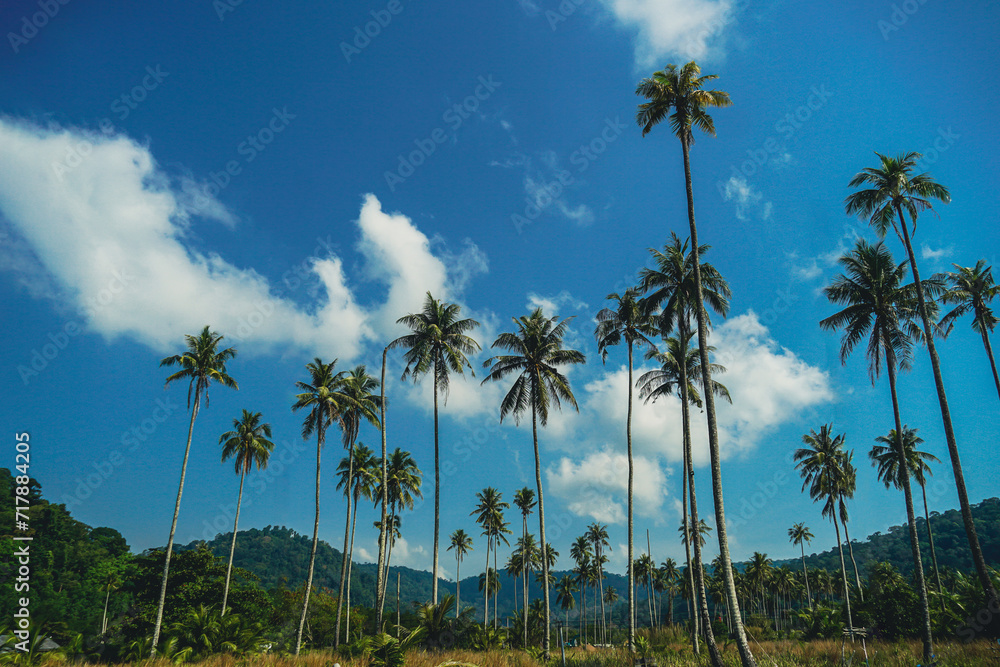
(893, 546)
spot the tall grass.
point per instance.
(669, 649)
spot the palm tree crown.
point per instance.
(537, 352)
(247, 444)
(202, 364)
(680, 90)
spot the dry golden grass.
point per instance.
(785, 653)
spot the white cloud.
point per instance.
(769, 385)
(556, 304)
(738, 190)
(685, 28)
(597, 485)
(109, 237)
(926, 252)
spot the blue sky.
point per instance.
(299, 185)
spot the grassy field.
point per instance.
(785, 653)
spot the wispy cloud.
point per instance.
(926, 252)
(746, 198)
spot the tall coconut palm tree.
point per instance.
(625, 322)
(489, 515)
(201, 364)
(799, 534)
(893, 190)
(320, 396)
(678, 96)
(360, 404)
(821, 465)
(248, 445)
(462, 544)
(438, 344)
(581, 554)
(671, 290)
(881, 307)
(970, 290)
(382, 484)
(885, 457)
(598, 536)
(564, 595)
(357, 476)
(403, 482)
(524, 500)
(671, 575)
(536, 355)
(849, 486)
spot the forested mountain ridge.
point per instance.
(950, 542)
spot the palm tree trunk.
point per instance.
(698, 591)
(989, 353)
(843, 574)
(687, 542)
(173, 529)
(458, 585)
(850, 550)
(437, 489)
(930, 536)
(496, 593)
(805, 572)
(746, 656)
(104, 618)
(486, 583)
(525, 559)
(397, 605)
(382, 566)
(350, 564)
(631, 545)
(232, 546)
(600, 581)
(541, 525)
(904, 475)
(315, 542)
(949, 431)
(347, 534)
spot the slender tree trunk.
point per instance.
(437, 488)
(600, 581)
(930, 536)
(805, 573)
(843, 574)
(850, 550)
(232, 546)
(949, 431)
(458, 586)
(904, 475)
(746, 656)
(486, 582)
(173, 529)
(687, 541)
(525, 559)
(344, 555)
(315, 542)
(496, 593)
(397, 606)
(383, 526)
(104, 618)
(350, 565)
(989, 353)
(631, 543)
(541, 527)
(698, 591)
